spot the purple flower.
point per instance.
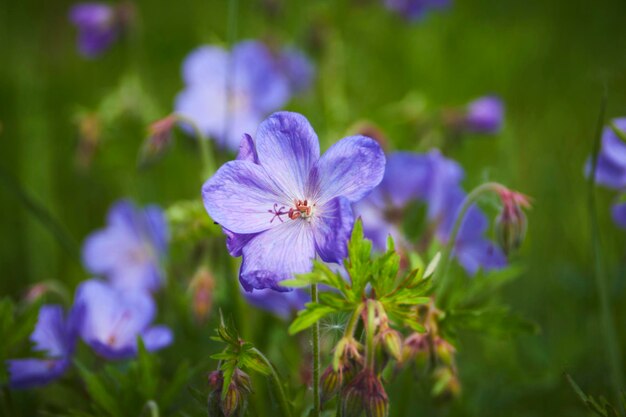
(435, 180)
(129, 250)
(99, 25)
(485, 115)
(283, 304)
(611, 169)
(414, 10)
(55, 337)
(229, 94)
(618, 211)
(113, 320)
(282, 204)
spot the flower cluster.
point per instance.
(108, 315)
(611, 166)
(436, 181)
(228, 93)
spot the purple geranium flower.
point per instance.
(297, 68)
(229, 94)
(415, 9)
(129, 250)
(55, 336)
(435, 180)
(611, 169)
(113, 320)
(282, 204)
(485, 115)
(99, 25)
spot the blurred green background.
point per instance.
(548, 60)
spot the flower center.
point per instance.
(301, 210)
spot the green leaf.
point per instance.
(618, 132)
(358, 263)
(603, 409)
(148, 370)
(310, 315)
(432, 265)
(98, 392)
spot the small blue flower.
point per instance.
(228, 94)
(485, 115)
(415, 10)
(114, 319)
(99, 25)
(282, 204)
(434, 180)
(130, 249)
(611, 169)
(54, 336)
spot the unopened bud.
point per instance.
(231, 400)
(444, 350)
(511, 222)
(330, 383)
(347, 351)
(365, 394)
(201, 288)
(416, 347)
(446, 383)
(392, 343)
(158, 140)
(89, 137)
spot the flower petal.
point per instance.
(247, 149)
(332, 226)
(30, 373)
(350, 168)
(283, 304)
(206, 65)
(287, 148)
(479, 254)
(236, 241)
(618, 212)
(50, 334)
(241, 197)
(277, 254)
(157, 337)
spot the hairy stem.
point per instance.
(354, 319)
(280, 390)
(316, 358)
(371, 328)
(441, 278)
(608, 326)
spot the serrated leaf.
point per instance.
(335, 300)
(407, 296)
(253, 361)
(358, 263)
(310, 315)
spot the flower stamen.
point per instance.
(277, 212)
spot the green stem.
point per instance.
(317, 406)
(153, 407)
(282, 397)
(371, 328)
(354, 319)
(441, 278)
(206, 152)
(608, 326)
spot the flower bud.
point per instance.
(444, 350)
(158, 140)
(511, 222)
(233, 402)
(392, 343)
(446, 383)
(201, 288)
(330, 383)
(365, 393)
(416, 347)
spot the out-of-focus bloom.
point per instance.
(414, 10)
(129, 250)
(89, 137)
(228, 94)
(435, 180)
(282, 204)
(618, 212)
(484, 115)
(283, 304)
(159, 138)
(511, 222)
(611, 168)
(54, 336)
(114, 319)
(99, 25)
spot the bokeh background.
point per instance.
(548, 60)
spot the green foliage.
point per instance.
(124, 389)
(374, 276)
(599, 407)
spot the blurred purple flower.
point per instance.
(282, 204)
(54, 336)
(611, 169)
(229, 94)
(618, 211)
(435, 180)
(414, 10)
(485, 115)
(129, 250)
(114, 319)
(99, 25)
(282, 304)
